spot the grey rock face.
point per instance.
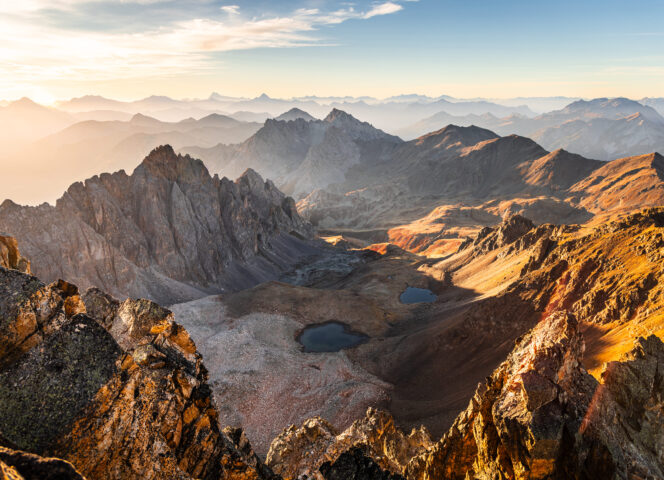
(168, 232)
(301, 154)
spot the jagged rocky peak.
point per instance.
(163, 162)
(168, 232)
(295, 114)
(356, 129)
(124, 395)
(305, 449)
(542, 416)
(512, 228)
(539, 416)
(337, 115)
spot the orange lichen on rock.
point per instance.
(120, 398)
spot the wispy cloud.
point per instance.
(231, 9)
(34, 49)
(383, 9)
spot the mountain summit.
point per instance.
(169, 231)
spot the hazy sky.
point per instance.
(493, 48)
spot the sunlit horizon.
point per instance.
(57, 50)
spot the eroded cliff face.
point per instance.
(122, 397)
(169, 232)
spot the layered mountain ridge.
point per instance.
(536, 353)
(602, 128)
(301, 155)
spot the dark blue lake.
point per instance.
(417, 295)
(329, 337)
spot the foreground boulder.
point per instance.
(10, 256)
(355, 465)
(120, 398)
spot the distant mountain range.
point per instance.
(23, 121)
(89, 147)
(91, 134)
(302, 155)
(602, 128)
(350, 176)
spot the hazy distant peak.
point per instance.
(159, 98)
(218, 119)
(140, 119)
(294, 114)
(217, 97)
(456, 135)
(24, 101)
(337, 115)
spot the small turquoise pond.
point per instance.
(417, 295)
(329, 337)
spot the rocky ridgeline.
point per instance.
(118, 390)
(540, 415)
(169, 232)
(305, 449)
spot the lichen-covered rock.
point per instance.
(125, 397)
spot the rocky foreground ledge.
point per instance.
(94, 388)
(118, 390)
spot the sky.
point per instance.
(129, 49)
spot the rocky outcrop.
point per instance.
(541, 416)
(508, 231)
(120, 398)
(10, 256)
(303, 450)
(17, 465)
(169, 232)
